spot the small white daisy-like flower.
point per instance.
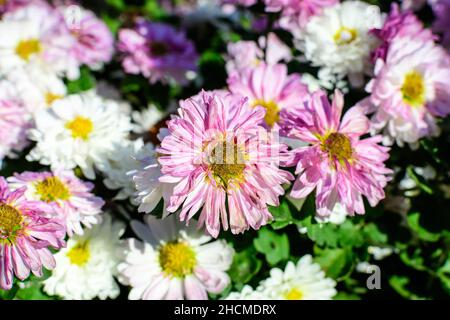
(174, 262)
(79, 130)
(302, 281)
(38, 87)
(339, 38)
(126, 157)
(35, 34)
(85, 269)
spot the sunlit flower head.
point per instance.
(36, 34)
(173, 262)
(25, 236)
(340, 166)
(223, 163)
(339, 37)
(409, 91)
(157, 51)
(88, 127)
(86, 268)
(71, 198)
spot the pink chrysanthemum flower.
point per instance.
(71, 197)
(94, 43)
(14, 121)
(25, 235)
(296, 14)
(409, 90)
(270, 87)
(11, 5)
(338, 164)
(399, 24)
(220, 159)
(157, 51)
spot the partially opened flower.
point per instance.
(338, 164)
(174, 262)
(270, 87)
(25, 236)
(88, 127)
(223, 163)
(14, 121)
(409, 91)
(157, 51)
(72, 199)
(87, 267)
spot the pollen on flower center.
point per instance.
(177, 259)
(345, 36)
(158, 49)
(26, 48)
(52, 189)
(80, 127)
(10, 220)
(413, 89)
(79, 254)
(227, 163)
(294, 294)
(338, 146)
(51, 97)
(272, 111)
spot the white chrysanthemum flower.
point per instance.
(38, 87)
(146, 119)
(339, 38)
(302, 281)
(79, 130)
(174, 262)
(247, 293)
(126, 157)
(85, 269)
(35, 34)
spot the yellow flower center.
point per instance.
(10, 220)
(79, 254)
(413, 89)
(345, 36)
(338, 146)
(177, 259)
(26, 48)
(52, 189)
(272, 111)
(51, 97)
(158, 49)
(80, 127)
(294, 294)
(227, 163)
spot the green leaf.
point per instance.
(245, 266)
(337, 263)
(374, 235)
(282, 215)
(85, 82)
(400, 285)
(413, 259)
(414, 223)
(418, 180)
(275, 247)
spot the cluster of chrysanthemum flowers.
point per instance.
(220, 161)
